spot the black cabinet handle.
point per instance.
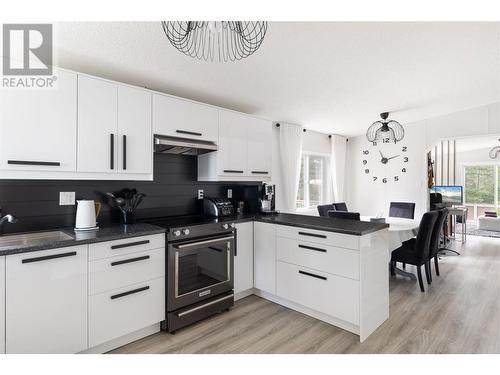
(312, 248)
(189, 133)
(130, 292)
(30, 162)
(137, 243)
(48, 257)
(112, 151)
(124, 152)
(260, 172)
(117, 263)
(232, 171)
(313, 275)
(312, 235)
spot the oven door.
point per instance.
(199, 269)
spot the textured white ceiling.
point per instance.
(330, 77)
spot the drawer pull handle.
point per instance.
(117, 263)
(111, 151)
(260, 172)
(232, 171)
(312, 235)
(312, 248)
(188, 132)
(124, 152)
(30, 162)
(48, 257)
(130, 292)
(137, 243)
(312, 275)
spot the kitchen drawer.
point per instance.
(123, 270)
(116, 313)
(319, 237)
(329, 294)
(334, 260)
(108, 249)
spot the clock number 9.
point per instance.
(364, 162)
(396, 178)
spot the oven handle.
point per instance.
(193, 244)
(181, 314)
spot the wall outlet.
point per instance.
(200, 194)
(229, 193)
(66, 198)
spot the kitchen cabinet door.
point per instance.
(2, 305)
(265, 257)
(135, 136)
(232, 151)
(183, 118)
(38, 126)
(97, 125)
(259, 138)
(243, 259)
(46, 301)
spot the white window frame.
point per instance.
(325, 178)
(496, 204)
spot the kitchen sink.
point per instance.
(32, 239)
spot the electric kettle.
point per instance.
(87, 212)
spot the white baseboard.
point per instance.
(123, 340)
(243, 294)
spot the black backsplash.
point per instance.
(173, 192)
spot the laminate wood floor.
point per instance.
(458, 313)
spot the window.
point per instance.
(312, 182)
(481, 189)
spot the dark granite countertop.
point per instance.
(110, 233)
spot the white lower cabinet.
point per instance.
(115, 313)
(46, 301)
(265, 257)
(329, 294)
(2, 305)
(243, 259)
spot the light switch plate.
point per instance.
(66, 198)
(229, 193)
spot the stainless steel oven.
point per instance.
(199, 265)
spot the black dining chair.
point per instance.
(435, 238)
(416, 250)
(323, 209)
(340, 206)
(344, 215)
(405, 210)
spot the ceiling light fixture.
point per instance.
(219, 40)
(495, 151)
(385, 130)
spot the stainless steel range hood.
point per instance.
(182, 146)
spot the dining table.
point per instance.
(400, 230)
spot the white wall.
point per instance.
(474, 150)
(371, 198)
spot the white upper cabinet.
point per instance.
(245, 150)
(38, 127)
(259, 138)
(135, 137)
(97, 125)
(114, 129)
(182, 118)
(232, 144)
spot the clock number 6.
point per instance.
(384, 180)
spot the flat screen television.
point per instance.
(450, 195)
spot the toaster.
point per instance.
(217, 207)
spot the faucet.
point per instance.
(7, 218)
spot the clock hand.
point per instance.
(382, 156)
(393, 157)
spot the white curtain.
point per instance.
(290, 141)
(338, 150)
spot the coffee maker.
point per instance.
(267, 199)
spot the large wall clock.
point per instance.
(385, 161)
